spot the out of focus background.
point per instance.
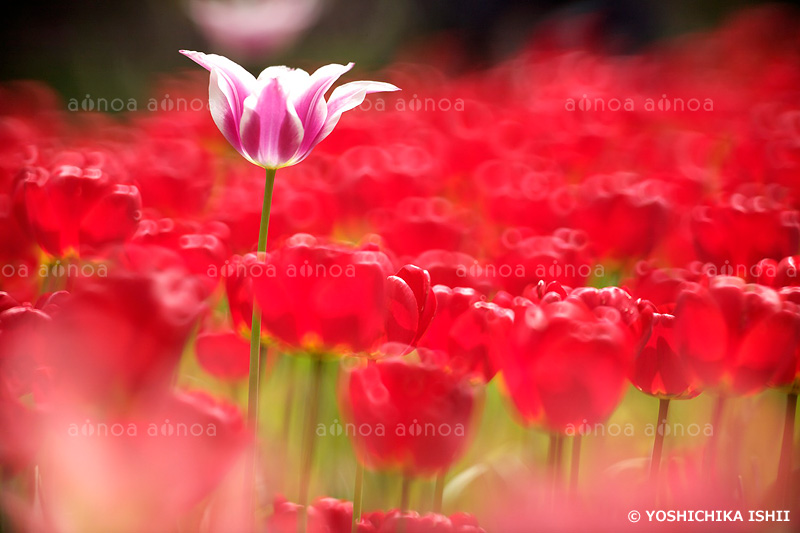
(117, 49)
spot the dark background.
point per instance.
(116, 49)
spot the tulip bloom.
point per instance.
(275, 120)
(733, 335)
(565, 364)
(658, 370)
(419, 415)
(331, 298)
(462, 329)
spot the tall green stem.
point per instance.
(255, 335)
(255, 327)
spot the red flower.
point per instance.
(188, 438)
(789, 375)
(658, 370)
(416, 417)
(120, 337)
(416, 225)
(79, 202)
(329, 297)
(329, 515)
(734, 336)
(201, 248)
(462, 330)
(623, 217)
(223, 354)
(174, 173)
(23, 338)
(565, 364)
(560, 257)
(742, 230)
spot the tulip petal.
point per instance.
(310, 102)
(270, 130)
(229, 86)
(402, 322)
(346, 97)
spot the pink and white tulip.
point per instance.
(275, 120)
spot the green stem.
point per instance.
(785, 463)
(438, 492)
(255, 331)
(658, 442)
(357, 496)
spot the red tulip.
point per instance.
(121, 337)
(658, 370)
(23, 338)
(622, 216)
(188, 438)
(526, 260)
(201, 248)
(396, 521)
(79, 202)
(416, 417)
(462, 331)
(734, 336)
(455, 269)
(741, 230)
(317, 296)
(564, 364)
(329, 515)
(19, 425)
(789, 375)
(416, 225)
(174, 173)
(223, 354)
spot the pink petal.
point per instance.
(310, 103)
(270, 130)
(229, 86)
(344, 98)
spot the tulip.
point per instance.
(117, 339)
(658, 369)
(79, 202)
(527, 259)
(328, 298)
(224, 354)
(462, 330)
(740, 231)
(273, 122)
(187, 437)
(564, 364)
(733, 336)
(277, 119)
(420, 416)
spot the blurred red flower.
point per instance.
(733, 336)
(415, 417)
